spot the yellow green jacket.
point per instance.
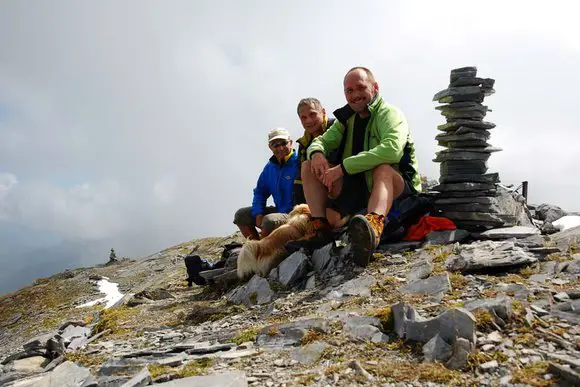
(387, 141)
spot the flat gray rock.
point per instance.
(228, 379)
(432, 286)
(113, 367)
(460, 94)
(402, 314)
(461, 350)
(357, 287)
(500, 306)
(364, 328)
(321, 257)
(142, 378)
(465, 129)
(446, 237)
(437, 349)
(420, 270)
(539, 278)
(309, 353)
(466, 186)
(39, 342)
(450, 325)
(476, 216)
(485, 200)
(468, 145)
(480, 135)
(68, 374)
(488, 255)
(289, 334)
(565, 373)
(549, 212)
(28, 365)
(463, 167)
(400, 246)
(485, 83)
(510, 232)
(209, 349)
(256, 291)
(461, 156)
(456, 124)
(462, 72)
(293, 268)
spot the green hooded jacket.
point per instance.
(387, 141)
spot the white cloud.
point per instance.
(137, 118)
(7, 181)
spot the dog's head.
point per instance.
(300, 209)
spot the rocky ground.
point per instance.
(501, 308)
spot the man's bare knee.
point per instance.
(386, 173)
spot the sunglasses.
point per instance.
(277, 144)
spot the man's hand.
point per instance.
(319, 165)
(259, 219)
(332, 175)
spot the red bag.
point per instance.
(428, 224)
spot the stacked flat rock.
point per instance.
(467, 193)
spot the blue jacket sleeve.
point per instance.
(261, 194)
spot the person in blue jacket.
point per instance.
(276, 180)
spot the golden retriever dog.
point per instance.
(262, 256)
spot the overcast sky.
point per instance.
(150, 117)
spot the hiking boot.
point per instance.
(365, 233)
(320, 236)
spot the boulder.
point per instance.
(437, 349)
(488, 255)
(293, 268)
(549, 213)
(256, 291)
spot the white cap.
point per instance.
(278, 133)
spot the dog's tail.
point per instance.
(247, 259)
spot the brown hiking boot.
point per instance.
(320, 236)
(365, 233)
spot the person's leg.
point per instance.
(365, 230)
(315, 192)
(272, 222)
(316, 195)
(387, 186)
(246, 223)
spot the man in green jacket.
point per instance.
(377, 165)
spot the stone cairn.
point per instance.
(467, 193)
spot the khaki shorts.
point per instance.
(272, 219)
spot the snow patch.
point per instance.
(567, 222)
(111, 291)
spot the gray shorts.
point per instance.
(272, 219)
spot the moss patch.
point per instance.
(191, 368)
(194, 368)
(157, 370)
(476, 358)
(526, 272)
(245, 336)
(386, 317)
(85, 360)
(306, 380)
(532, 374)
(115, 319)
(422, 372)
(484, 320)
(458, 281)
(311, 336)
